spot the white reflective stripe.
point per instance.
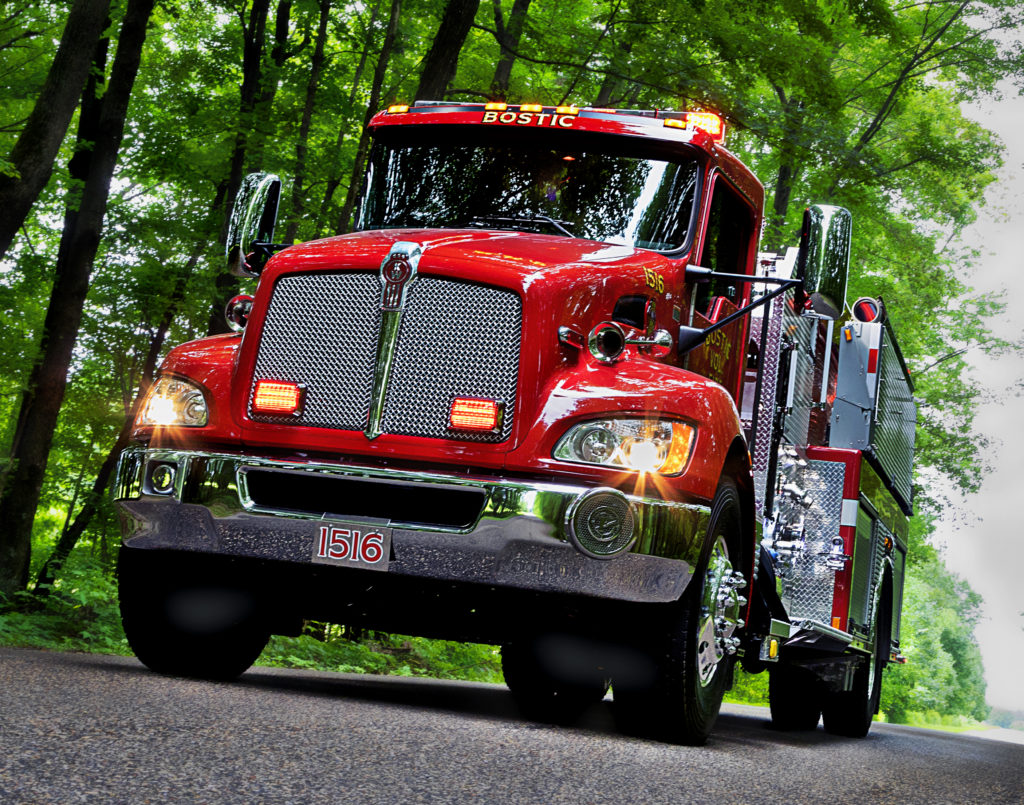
(849, 515)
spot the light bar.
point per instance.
(277, 398)
(471, 413)
(398, 109)
(709, 122)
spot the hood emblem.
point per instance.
(397, 273)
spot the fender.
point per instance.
(636, 386)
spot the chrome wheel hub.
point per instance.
(719, 613)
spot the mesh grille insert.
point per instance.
(456, 339)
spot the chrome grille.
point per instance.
(456, 339)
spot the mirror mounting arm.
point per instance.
(692, 337)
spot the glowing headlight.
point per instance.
(642, 445)
(173, 401)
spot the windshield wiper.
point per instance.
(536, 218)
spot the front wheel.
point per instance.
(554, 677)
(186, 624)
(694, 654)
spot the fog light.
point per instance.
(161, 478)
(601, 523)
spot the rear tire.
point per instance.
(187, 626)
(850, 713)
(692, 668)
(795, 697)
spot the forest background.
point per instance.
(127, 125)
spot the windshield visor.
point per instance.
(532, 185)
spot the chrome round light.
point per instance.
(607, 342)
(161, 478)
(237, 311)
(868, 310)
(601, 523)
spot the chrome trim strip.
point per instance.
(397, 273)
(821, 629)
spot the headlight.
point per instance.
(642, 445)
(173, 401)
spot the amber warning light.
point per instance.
(471, 413)
(277, 398)
(706, 121)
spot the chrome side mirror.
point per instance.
(824, 259)
(251, 229)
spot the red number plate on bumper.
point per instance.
(353, 546)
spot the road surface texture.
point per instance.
(83, 728)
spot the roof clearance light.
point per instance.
(566, 110)
(672, 123)
(398, 109)
(709, 122)
(531, 107)
(496, 106)
(277, 398)
(470, 413)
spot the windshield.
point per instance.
(621, 199)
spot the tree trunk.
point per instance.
(443, 57)
(225, 284)
(509, 35)
(355, 184)
(302, 145)
(80, 239)
(263, 116)
(36, 149)
(775, 236)
(334, 180)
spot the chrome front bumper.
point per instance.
(519, 540)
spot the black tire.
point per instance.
(850, 713)
(554, 678)
(187, 626)
(795, 698)
(690, 674)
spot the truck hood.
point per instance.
(509, 258)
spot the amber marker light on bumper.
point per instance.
(471, 413)
(277, 398)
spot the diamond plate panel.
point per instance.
(770, 351)
(456, 339)
(813, 582)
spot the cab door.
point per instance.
(727, 245)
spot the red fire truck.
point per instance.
(548, 396)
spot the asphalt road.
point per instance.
(82, 728)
